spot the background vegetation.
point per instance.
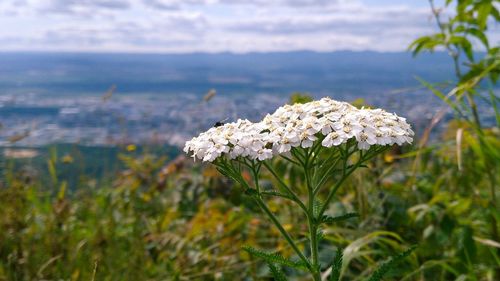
(167, 218)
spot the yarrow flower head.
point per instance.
(301, 125)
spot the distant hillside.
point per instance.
(341, 72)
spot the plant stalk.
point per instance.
(312, 220)
(282, 230)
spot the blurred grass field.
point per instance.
(172, 219)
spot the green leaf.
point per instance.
(418, 44)
(494, 12)
(276, 194)
(251, 192)
(274, 258)
(387, 266)
(426, 43)
(52, 170)
(62, 190)
(276, 272)
(459, 29)
(464, 44)
(495, 107)
(479, 35)
(467, 246)
(483, 11)
(319, 235)
(336, 266)
(330, 220)
(223, 172)
(462, 6)
(317, 206)
(440, 95)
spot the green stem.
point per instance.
(316, 149)
(263, 206)
(285, 186)
(473, 106)
(455, 55)
(325, 176)
(255, 172)
(345, 175)
(288, 159)
(282, 230)
(306, 159)
(312, 222)
(346, 172)
(313, 230)
(297, 155)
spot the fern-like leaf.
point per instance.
(223, 172)
(337, 265)
(274, 258)
(387, 266)
(276, 194)
(330, 220)
(317, 206)
(251, 192)
(276, 272)
(320, 234)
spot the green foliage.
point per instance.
(461, 192)
(389, 265)
(336, 266)
(276, 194)
(300, 98)
(317, 206)
(331, 220)
(469, 22)
(272, 258)
(139, 228)
(277, 273)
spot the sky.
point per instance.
(183, 26)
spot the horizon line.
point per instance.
(108, 52)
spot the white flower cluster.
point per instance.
(301, 125)
(241, 138)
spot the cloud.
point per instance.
(163, 5)
(178, 4)
(172, 5)
(209, 25)
(359, 21)
(12, 7)
(70, 7)
(76, 6)
(175, 31)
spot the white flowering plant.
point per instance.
(326, 139)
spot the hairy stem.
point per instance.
(282, 230)
(336, 187)
(312, 222)
(285, 186)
